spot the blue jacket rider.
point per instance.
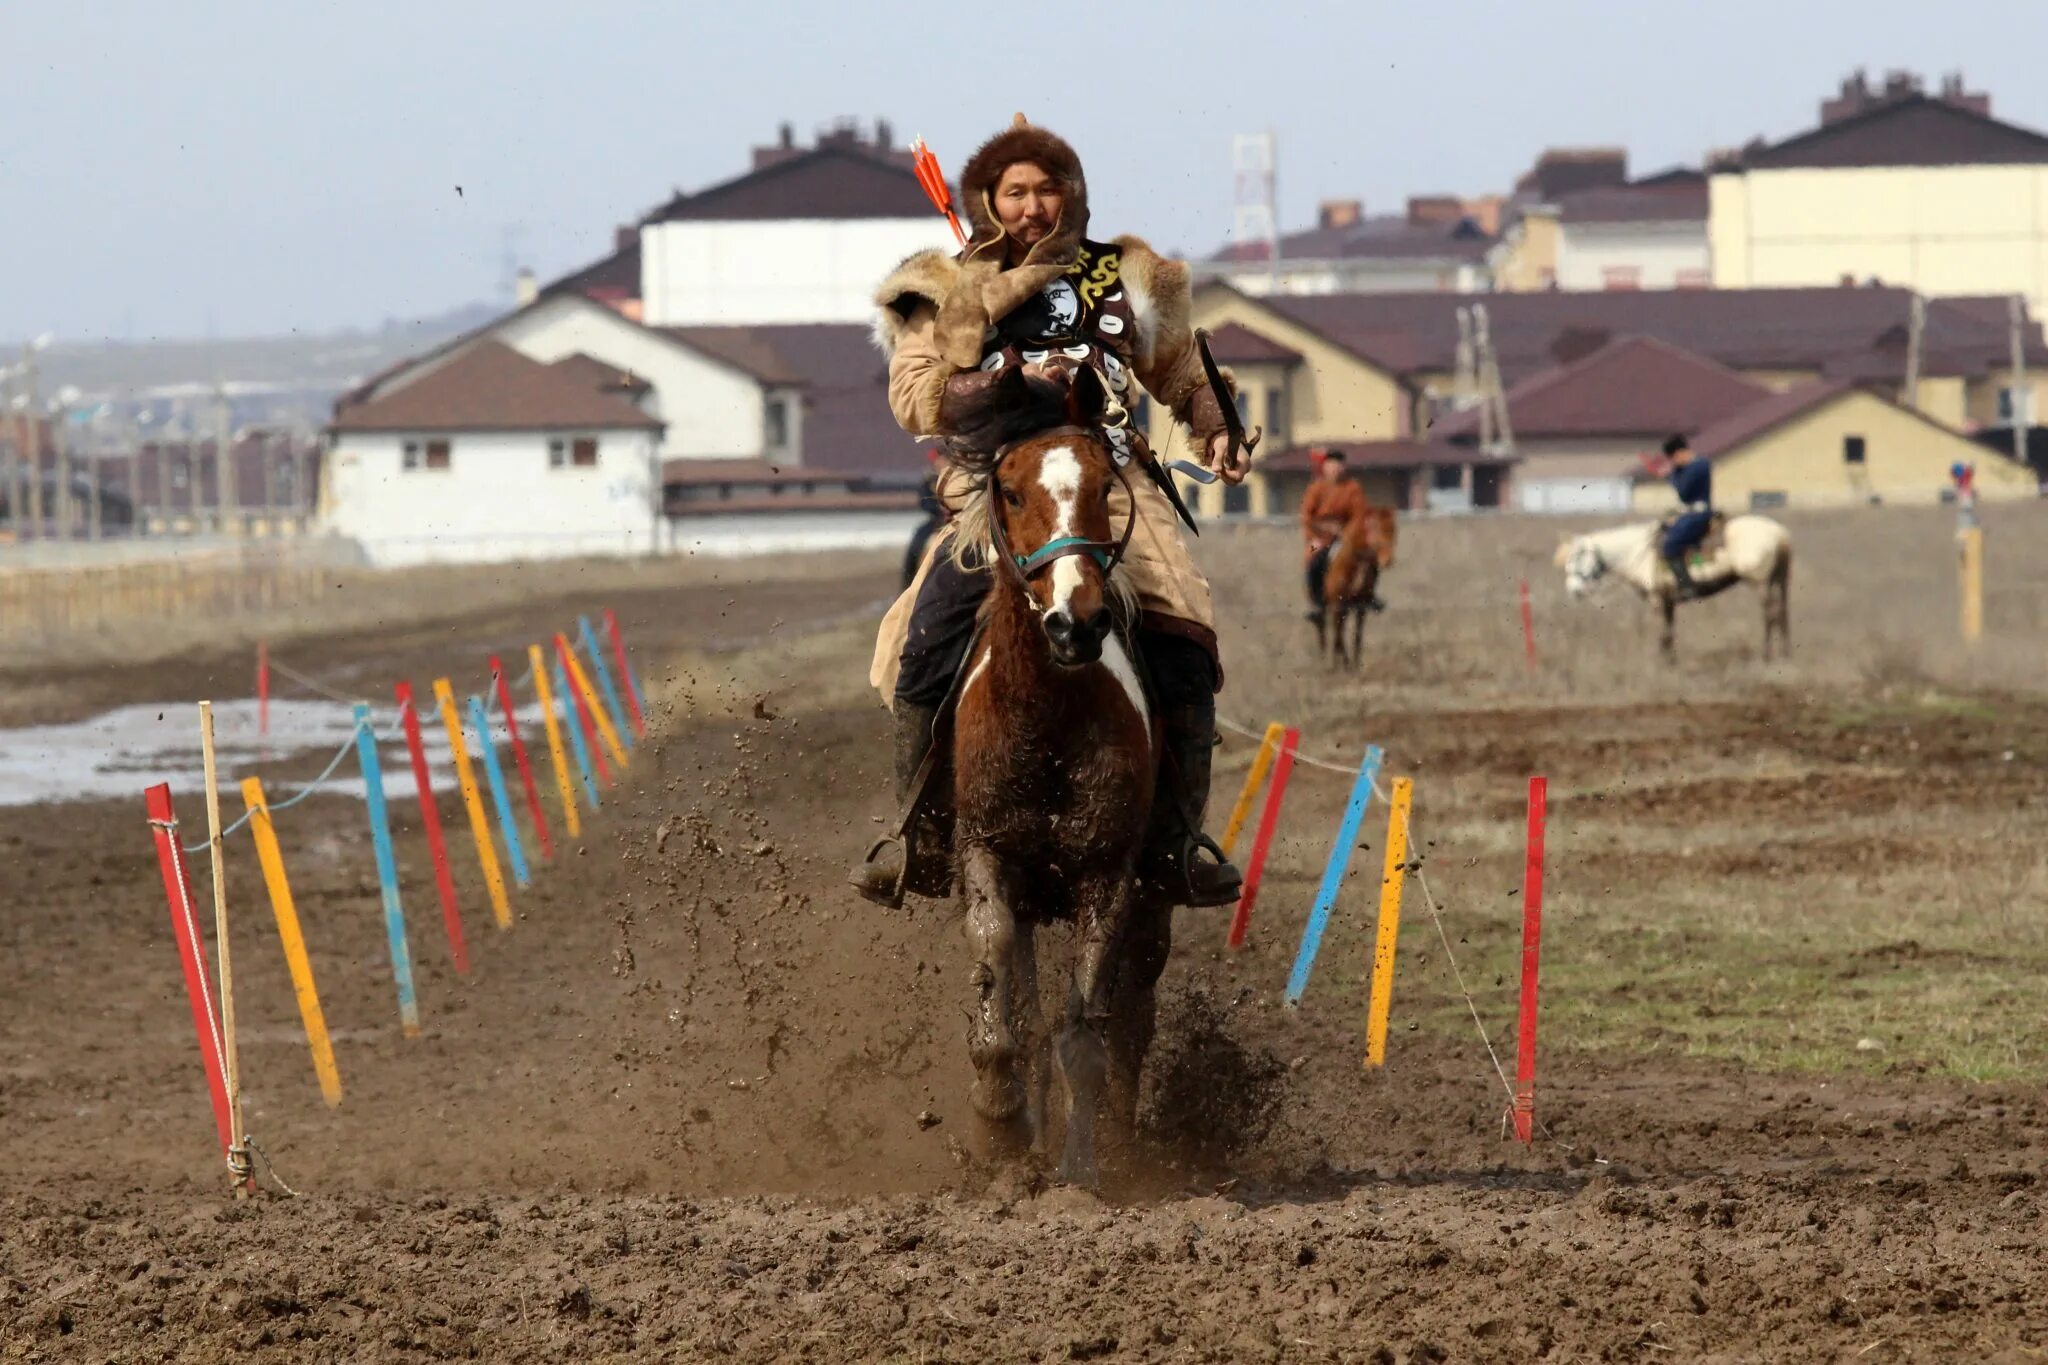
(1692, 478)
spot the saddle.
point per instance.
(1712, 543)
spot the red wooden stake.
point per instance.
(430, 820)
(611, 624)
(170, 860)
(1532, 942)
(1528, 626)
(604, 768)
(540, 822)
(263, 687)
(1269, 819)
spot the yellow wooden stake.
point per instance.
(294, 942)
(555, 752)
(604, 722)
(479, 827)
(1389, 933)
(1973, 583)
(1262, 762)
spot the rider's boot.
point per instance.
(882, 876)
(1681, 571)
(1185, 861)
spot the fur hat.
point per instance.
(1022, 141)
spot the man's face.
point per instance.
(1333, 471)
(1682, 456)
(1028, 201)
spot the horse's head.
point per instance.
(1582, 562)
(1048, 511)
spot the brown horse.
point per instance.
(1054, 752)
(1364, 550)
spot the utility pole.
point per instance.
(60, 439)
(269, 481)
(223, 456)
(1916, 334)
(32, 441)
(2022, 405)
(1493, 394)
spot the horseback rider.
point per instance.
(1032, 290)
(1692, 478)
(1333, 506)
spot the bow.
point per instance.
(1232, 421)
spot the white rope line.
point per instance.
(322, 688)
(317, 783)
(1429, 899)
(1348, 769)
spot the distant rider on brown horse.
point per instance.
(1031, 289)
(1333, 504)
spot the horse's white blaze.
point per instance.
(1059, 474)
(1119, 665)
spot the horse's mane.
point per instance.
(1014, 408)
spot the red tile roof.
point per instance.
(1235, 344)
(825, 182)
(1744, 328)
(1915, 131)
(1674, 199)
(599, 375)
(491, 387)
(1766, 414)
(1634, 387)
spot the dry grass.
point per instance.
(1827, 864)
(344, 599)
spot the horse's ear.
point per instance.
(1087, 399)
(1564, 552)
(1010, 386)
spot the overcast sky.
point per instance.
(218, 168)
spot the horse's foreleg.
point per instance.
(1034, 1045)
(1083, 1041)
(1359, 611)
(1135, 1009)
(998, 1094)
(1667, 638)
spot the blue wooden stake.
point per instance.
(604, 682)
(387, 870)
(576, 744)
(1333, 873)
(481, 723)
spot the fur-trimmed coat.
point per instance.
(934, 315)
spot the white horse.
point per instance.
(1753, 550)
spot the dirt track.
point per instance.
(684, 1108)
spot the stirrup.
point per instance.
(890, 897)
(1185, 874)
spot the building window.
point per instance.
(1763, 500)
(1852, 450)
(577, 452)
(775, 424)
(2008, 407)
(1693, 279)
(1621, 277)
(425, 455)
(1276, 415)
(1447, 476)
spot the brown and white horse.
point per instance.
(1753, 550)
(1054, 752)
(1364, 550)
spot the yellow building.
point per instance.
(1835, 444)
(1913, 190)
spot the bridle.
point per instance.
(1107, 554)
(1589, 563)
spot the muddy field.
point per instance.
(701, 1102)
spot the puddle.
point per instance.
(118, 753)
